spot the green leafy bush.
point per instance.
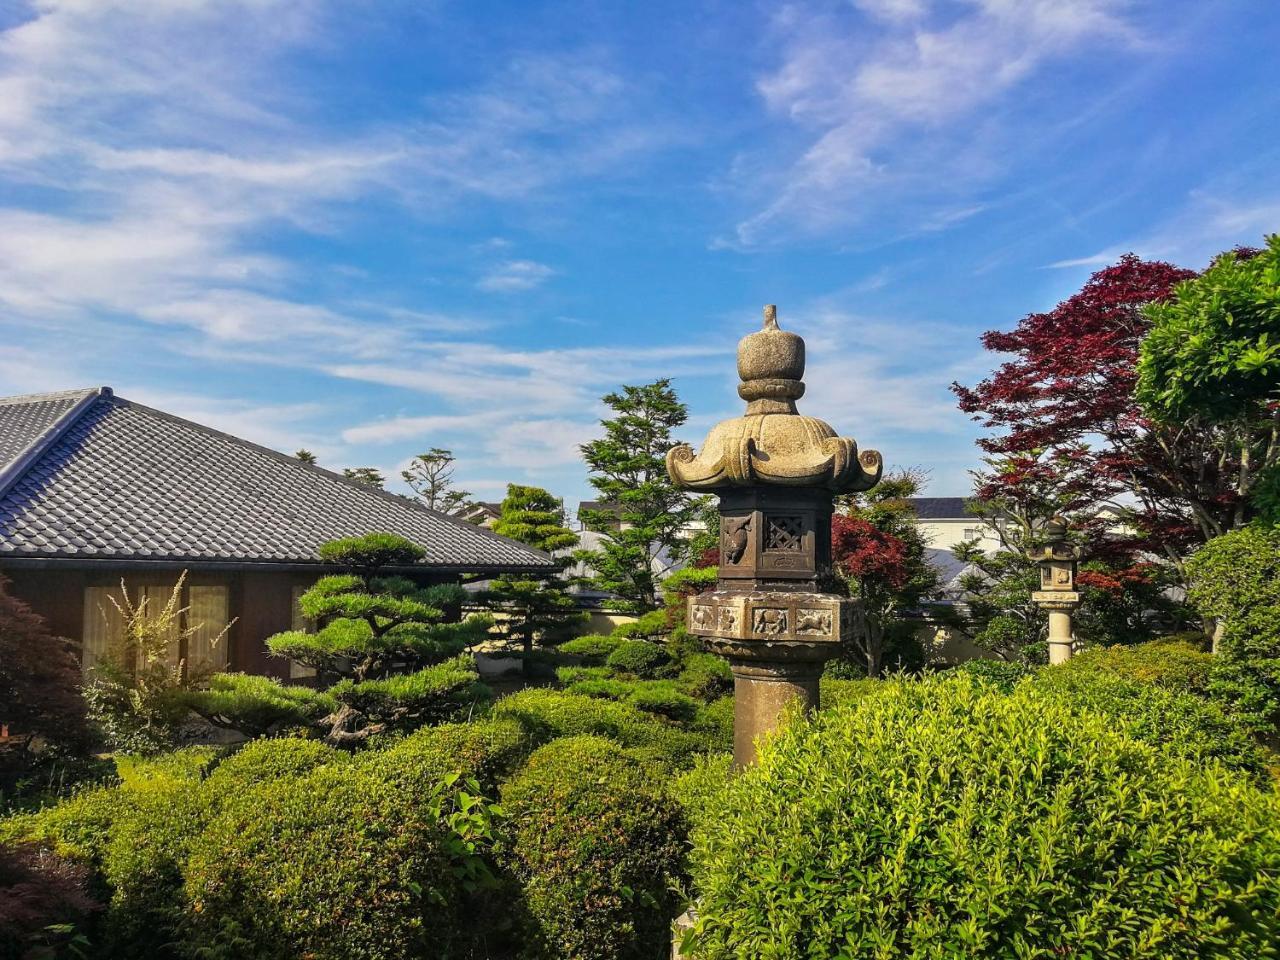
(639, 658)
(1236, 580)
(1180, 723)
(549, 714)
(706, 676)
(571, 675)
(835, 692)
(596, 845)
(1249, 691)
(343, 862)
(946, 819)
(1174, 665)
(1004, 675)
(486, 750)
(715, 722)
(663, 698)
(265, 761)
(608, 688)
(592, 649)
(651, 624)
(256, 705)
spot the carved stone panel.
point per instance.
(735, 539)
(770, 621)
(813, 622)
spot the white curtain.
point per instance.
(103, 624)
(207, 616)
(156, 597)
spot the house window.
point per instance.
(103, 624)
(300, 622)
(974, 533)
(207, 613)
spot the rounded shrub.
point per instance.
(347, 862)
(1249, 692)
(835, 691)
(1172, 664)
(592, 649)
(1179, 723)
(945, 819)
(1235, 579)
(486, 750)
(597, 845)
(639, 658)
(263, 761)
(706, 676)
(663, 698)
(715, 722)
(550, 714)
(1001, 674)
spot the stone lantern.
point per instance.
(1057, 594)
(775, 472)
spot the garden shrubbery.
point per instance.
(596, 844)
(943, 818)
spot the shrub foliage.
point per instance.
(942, 819)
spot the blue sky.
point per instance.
(369, 228)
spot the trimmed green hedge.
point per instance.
(597, 846)
(640, 658)
(1180, 723)
(593, 649)
(1171, 664)
(550, 714)
(349, 861)
(946, 819)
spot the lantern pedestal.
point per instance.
(1060, 605)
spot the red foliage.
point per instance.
(1117, 582)
(709, 557)
(1069, 389)
(39, 677)
(859, 549)
(37, 890)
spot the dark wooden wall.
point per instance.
(260, 602)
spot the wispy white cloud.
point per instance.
(515, 275)
(896, 115)
(1211, 219)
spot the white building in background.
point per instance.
(943, 523)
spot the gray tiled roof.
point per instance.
(25, 420)
(940, 508)
(117, 480)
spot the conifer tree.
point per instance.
(536, 609)
(641, 513)
(430, 476)
(385, 639)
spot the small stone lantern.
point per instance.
(776, 473)
(1057, 594)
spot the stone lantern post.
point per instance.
(1057, 594)
(775, 473)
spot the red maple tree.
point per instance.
(1064, 402)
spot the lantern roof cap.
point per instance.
(772, 443)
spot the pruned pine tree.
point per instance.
(534, 609)
(387, 642)
(642, 513)
(306, 456)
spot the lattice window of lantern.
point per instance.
(785, 533)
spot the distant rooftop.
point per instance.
(941, 508)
